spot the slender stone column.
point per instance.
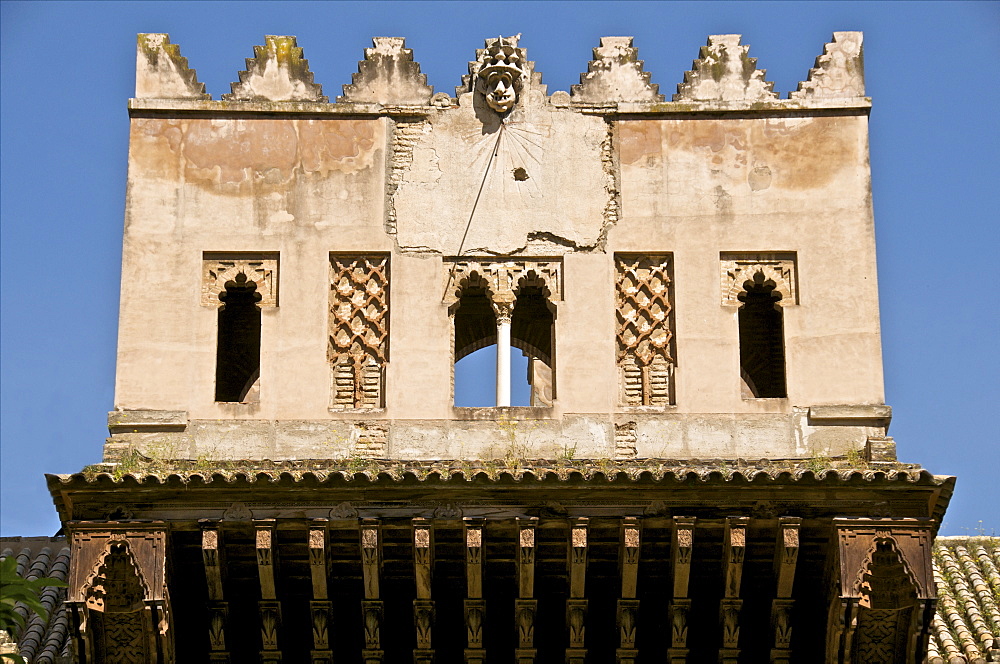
(504, 311)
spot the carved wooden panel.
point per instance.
(359, 329)
(644, 330)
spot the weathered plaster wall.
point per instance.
(568, 179)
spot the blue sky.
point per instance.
(67, 71)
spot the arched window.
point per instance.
(237, 363)
(508, 306)
(762, 339)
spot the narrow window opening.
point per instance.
(237, 368)
(529, 321)
(762, 345)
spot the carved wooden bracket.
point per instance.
(475, 607)
(681, 553)
(786, 553)
(213, 558)
(320, 608)
(269, 607)
(524, 621)
(734, 552)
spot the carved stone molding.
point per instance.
(220, 269)
(359, 329)
(738, 268)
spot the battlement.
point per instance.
(723, 78)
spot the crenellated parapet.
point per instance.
(161, 72)
(724, 72)
(388, 76)
(501, 78)
(839, 72)
(277, 72)
(615, 74)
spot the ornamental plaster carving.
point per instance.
(359, 329)
(737, 269)
(218, 271)
(644, 313)
(503, 279)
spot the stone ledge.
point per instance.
(125, 421)
(879, 413)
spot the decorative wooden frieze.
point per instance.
(269, 607)
(737, 269)
(734, 553)
(117, 595)
(785, 558)
(576, 605)
(359, 330)
(320, 608)
(884, 575)
(475, 606)
(525, 606)
(681, 553)
(220, 269)
(628, 605)
(371, 607)
(644, 336)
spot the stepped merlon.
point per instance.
(389, 76)
(839, 72)
(162, 73)
(615, 74)
(277, 72)
(724, 72)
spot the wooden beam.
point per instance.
(320, 608)
(734, 551)
(475, 606)
(423, 605)
(628, 605)
(576, 605)
(269, 607)
(371, 606)
(786, 553)
(212, 555)
(525, 606)
(681, 553)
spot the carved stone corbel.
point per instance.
(576, 606)
(423, 605)
(475, 606)
(628, 605)
(785, 557)
(371, 607)
(734, 551)
(681, 553)
(525, 607)
(213, 558)
(320, 608)
(269, 606)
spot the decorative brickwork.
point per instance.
(645, 357)
(359, 330)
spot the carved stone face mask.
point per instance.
(500, 92)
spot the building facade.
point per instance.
(703, 472)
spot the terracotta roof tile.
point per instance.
(966, 628)
(42, 641)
